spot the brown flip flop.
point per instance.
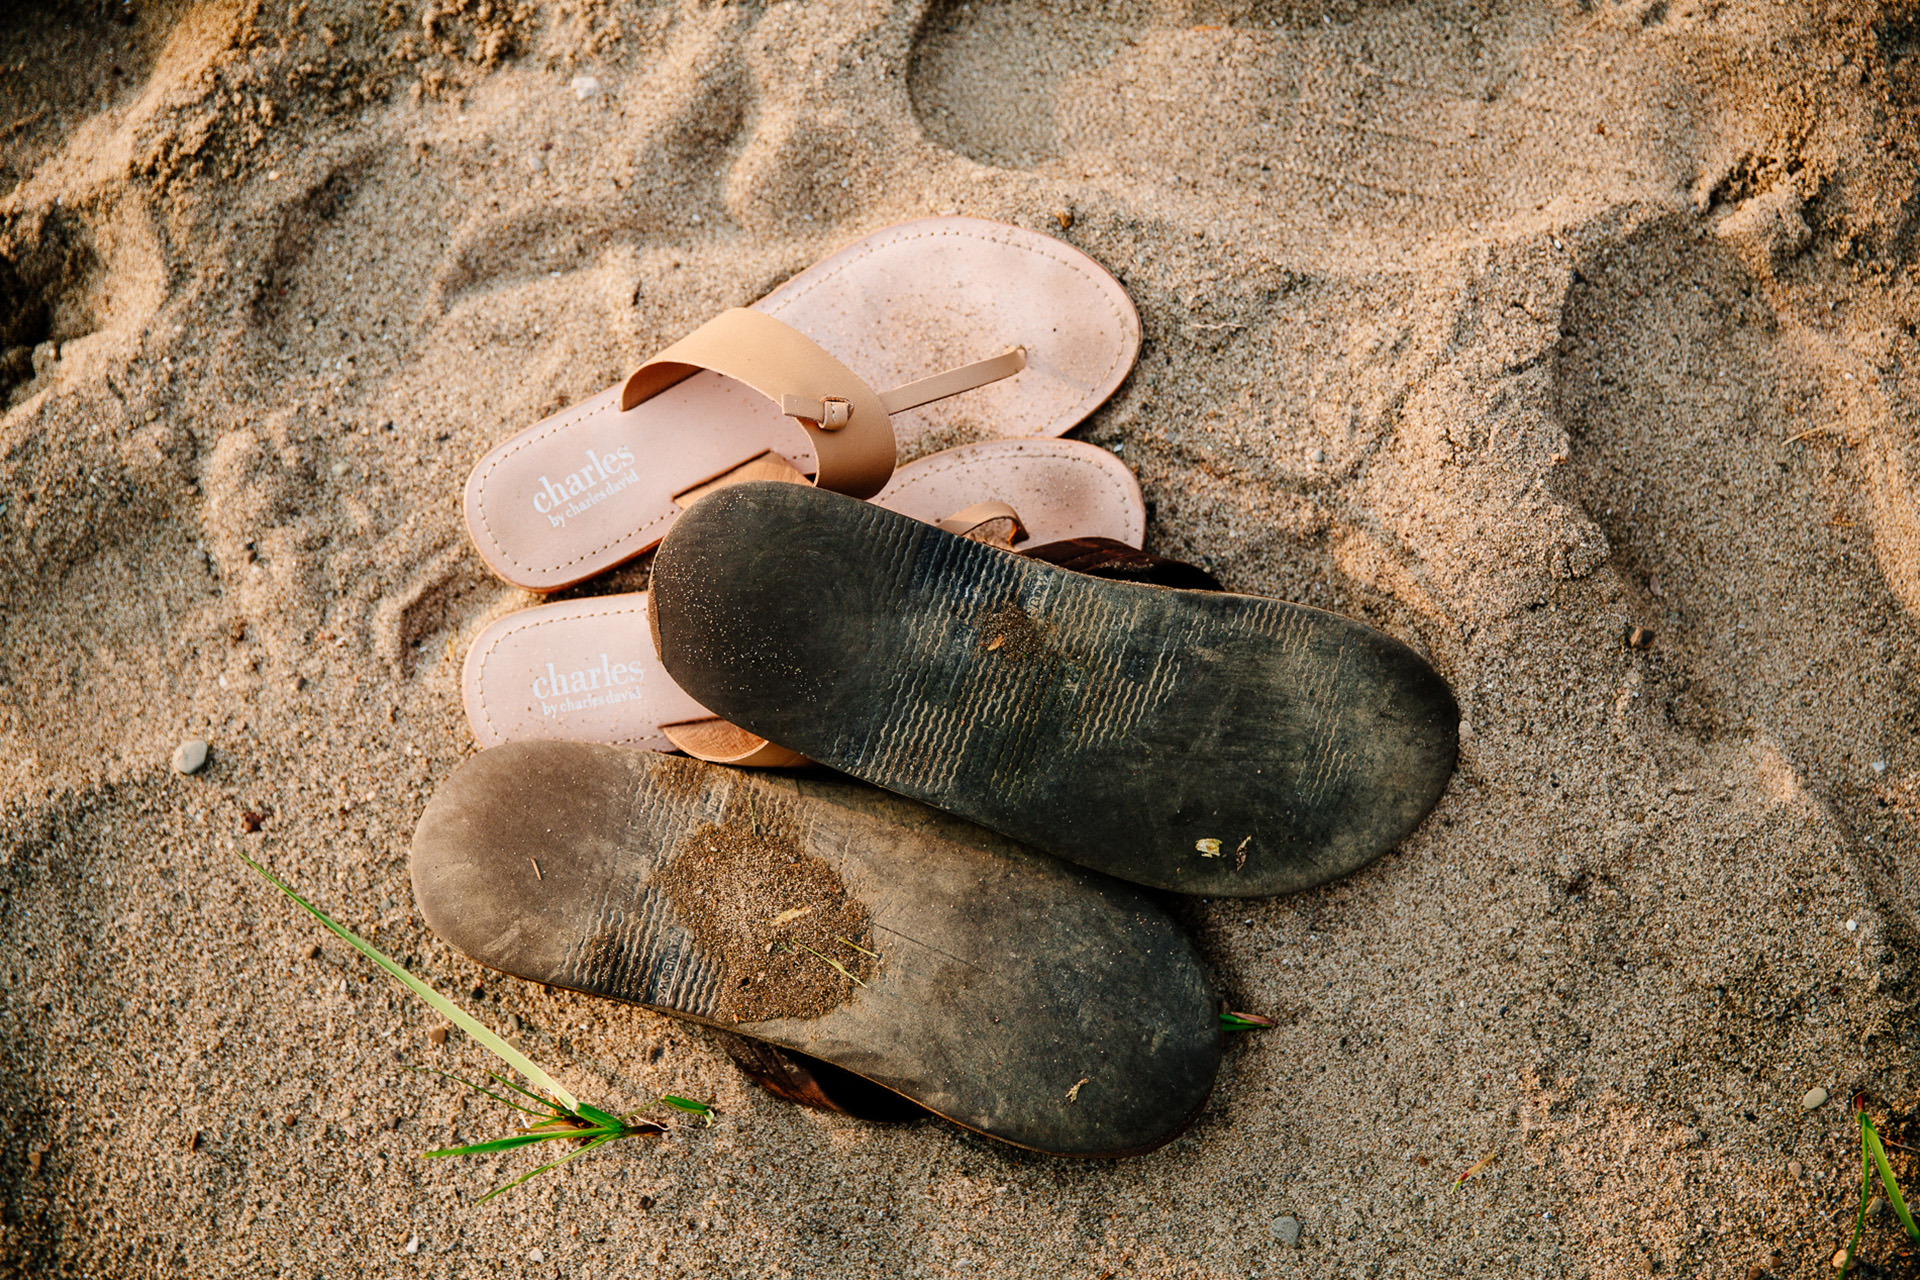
(1207, 742)
(586, 671)
(1032, 335)
(1026, 1000)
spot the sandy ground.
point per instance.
(1508, 327)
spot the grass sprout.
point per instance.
(1873, 1160)
(1233, 1020)
(558, 1116)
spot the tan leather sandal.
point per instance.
(1032, 331)
(586, 670)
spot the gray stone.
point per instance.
(1816, 1096)
(190, 756)
(1287, 1230)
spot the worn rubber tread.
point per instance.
(1006, 978)
(1210, 743)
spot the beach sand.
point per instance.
(1571, 342)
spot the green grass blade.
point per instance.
(553, 1108)
(500, 1098)
(1860, 1221)
(1879, 1155)
(689, 1105)
(551, 1164)
(498, 1144)
(1234, 1020)
(600, 1117)
(446, 1008)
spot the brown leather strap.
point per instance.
(723, 742)
(855, 456)
(762, 466)
(969, 518)
(813, 1083)
(1107, 558)
(951, 383)
(850, 427)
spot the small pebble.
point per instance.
(311, 951)
(534, 1255)
(1879, 766)
(437, 1036)
(36, 1159)
(585, 87)
(1287, 1230)
(1839, 1258)
(190, 756)
(250, 821)
(1640, 637)
(413, 1244)
(1816, 1096)
(1793, 1170)
(536, 163)
(1319, 455)
(339, 468)
(1852, 925)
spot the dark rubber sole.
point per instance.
(1011, 994)
(1210, 743)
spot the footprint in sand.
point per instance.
(1388, 132)
(1740, 533)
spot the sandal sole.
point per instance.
(1209, 743)
(1017, 997)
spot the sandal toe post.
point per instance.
(1029, 1001)
(1210, 743)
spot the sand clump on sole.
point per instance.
(775, 919)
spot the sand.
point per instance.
(1511, 328)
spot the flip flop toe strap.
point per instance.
(849, 425)
(846, 422)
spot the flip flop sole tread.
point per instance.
(1206, 742)
(1002, 977)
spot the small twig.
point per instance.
(536, 868)
(1477, 1166)
(844, 971)
(1814, 431)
